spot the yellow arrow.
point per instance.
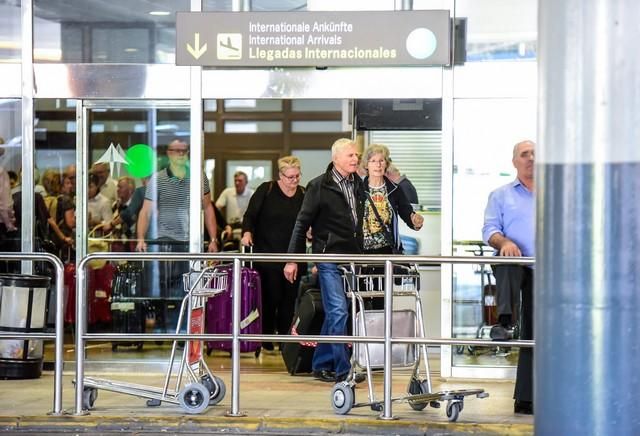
(198, 50)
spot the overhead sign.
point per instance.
(296, 39)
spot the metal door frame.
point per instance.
(83, 107)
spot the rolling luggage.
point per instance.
(128, 311)
(99, 294)
(128, 317)
(307, 321)
(70, 293)
(219, 311)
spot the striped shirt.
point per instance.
(346, 185)
(171, 197)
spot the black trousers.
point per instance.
(509, 282)
(524, 374)
(278, 298)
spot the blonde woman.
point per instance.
(267, 226)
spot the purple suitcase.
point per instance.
(219, 311)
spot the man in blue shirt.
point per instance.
(509, 227)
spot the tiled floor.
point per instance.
(268, 396)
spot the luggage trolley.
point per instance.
(368, 282)
(203, 388)
(487, 328)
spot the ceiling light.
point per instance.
(160, 13)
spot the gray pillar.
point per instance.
(587, 313)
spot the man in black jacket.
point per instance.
(333, 207)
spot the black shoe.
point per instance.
(267, 346)
(324, 375)
(341, 377)
(524, 407)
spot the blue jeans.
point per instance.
(332, 357)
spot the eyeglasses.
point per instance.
(181, 151)
(291, 178)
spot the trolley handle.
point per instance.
(207, 282)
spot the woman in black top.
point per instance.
(267, 226)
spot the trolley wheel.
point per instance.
(194, 398)
(343, 398)
(89, 396)
(222, 391)
(140, 346)
(416, 387)
(453, 410)
(208, 383)
(216, 387)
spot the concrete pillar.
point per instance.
(587, 294)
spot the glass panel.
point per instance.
(252, 126)
(133, 157)
(257, 171)
(249, 105)
(117, 31)
(10, 164)
(55, 144)
(210, 105)
(312, 163)
(316, 126)
(316, 105)
(217, 5)
(486, 131)
(10, 31)
(256, 5)
(350, 5)
(278, 5)
(498, 30)
(128, 45)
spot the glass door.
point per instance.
(135, 177)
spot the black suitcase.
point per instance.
(128, 310)
(307, 321)
(128, 317)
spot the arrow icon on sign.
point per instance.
(198, 50)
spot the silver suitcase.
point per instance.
(404, 325)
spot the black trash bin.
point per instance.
(23, 307)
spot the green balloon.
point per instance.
(141, 160)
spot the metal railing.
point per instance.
(236, 337)
(58, 335)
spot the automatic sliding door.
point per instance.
(127, 145)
